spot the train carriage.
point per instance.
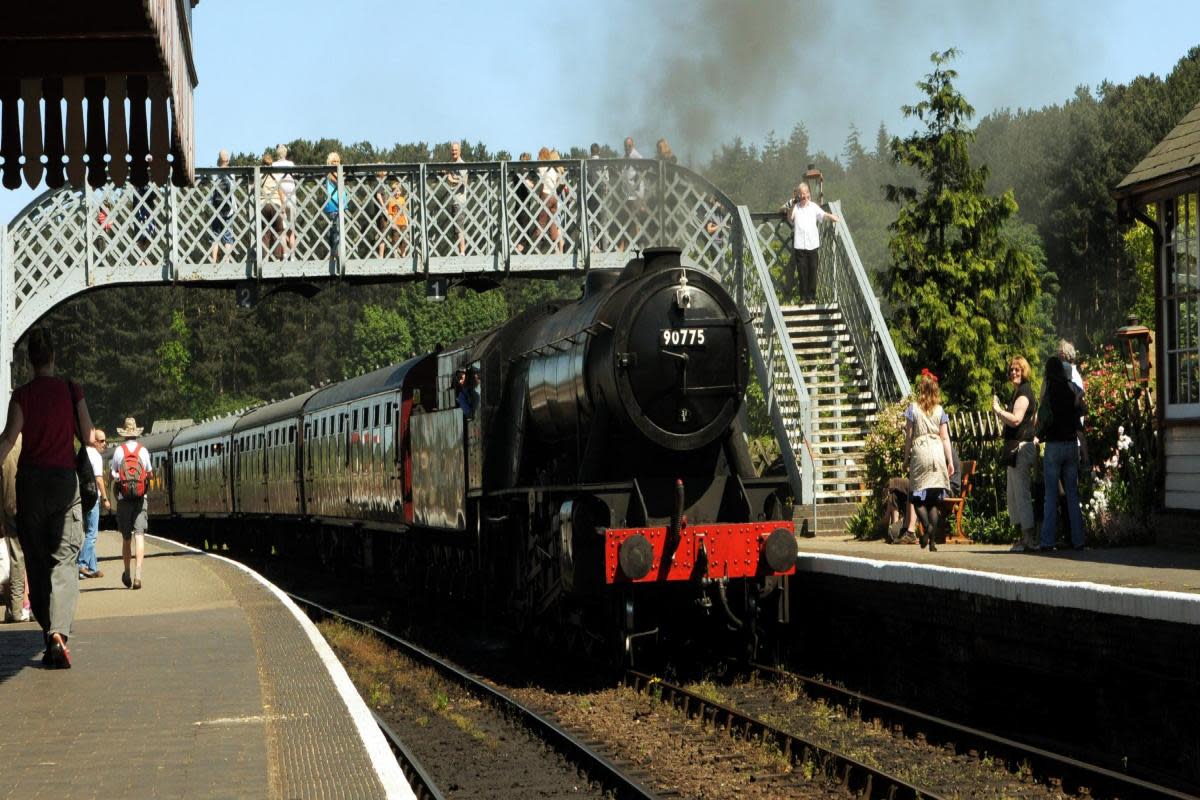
(201, 465)
(268, 448)
(354, 457)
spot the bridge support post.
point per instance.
(7, 303)
(341, 223)
(91, 211)
(424, 227)
(172, 234)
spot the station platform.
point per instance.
(1151, 582)
(206, 683)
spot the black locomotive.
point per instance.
(581, 467)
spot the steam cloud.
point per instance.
(704, 72)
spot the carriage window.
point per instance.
(354, 426)
(342, 421)
(375, 417)
(291, 434)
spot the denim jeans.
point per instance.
(87, 553)
(1061, 462)
(332, 234)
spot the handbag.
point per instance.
(1008, 452)
(88, 495)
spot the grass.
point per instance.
(382, 676)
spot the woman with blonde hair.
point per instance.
(927, 453)
(1018, 451)
(665, 153)
(333, 201)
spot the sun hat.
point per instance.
(130, 430)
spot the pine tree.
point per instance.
(964, 295)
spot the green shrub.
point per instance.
(884, 454)
(884, 449)
(867, 522)
(985, 528)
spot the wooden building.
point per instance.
(1168, 180)
(96, 92)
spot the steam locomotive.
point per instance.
(581, 468)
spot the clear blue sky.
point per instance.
(519, 75)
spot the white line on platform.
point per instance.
(380, 752)
(1167, 606)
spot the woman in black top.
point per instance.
(1058, 426)
(1018, 450)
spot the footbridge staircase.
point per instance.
(822, 369)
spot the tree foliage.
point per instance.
(964, 295)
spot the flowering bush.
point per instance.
(1106, 381)
(884, 452)
(884, 449)
(1118, 496)
(1121, 494)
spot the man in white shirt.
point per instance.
(88, 568)
(131, 508)
(287, 186)
(805, 215)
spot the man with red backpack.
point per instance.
(130, 470)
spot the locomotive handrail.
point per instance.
(774, 335)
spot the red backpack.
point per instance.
(132, 475)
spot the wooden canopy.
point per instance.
(109, 86)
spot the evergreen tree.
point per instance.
(964, 294)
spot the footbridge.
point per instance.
(467, 222)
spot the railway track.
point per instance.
(1069, 774)
(611, 780)
(423, 785)
(861, 779)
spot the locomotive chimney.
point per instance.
(599, 280)
(660, 258)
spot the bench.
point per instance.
(954, 505)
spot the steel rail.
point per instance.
(595, 765)
(1044, 764)
(422, 783)
(863, 780)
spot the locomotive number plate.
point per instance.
(682, 337)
